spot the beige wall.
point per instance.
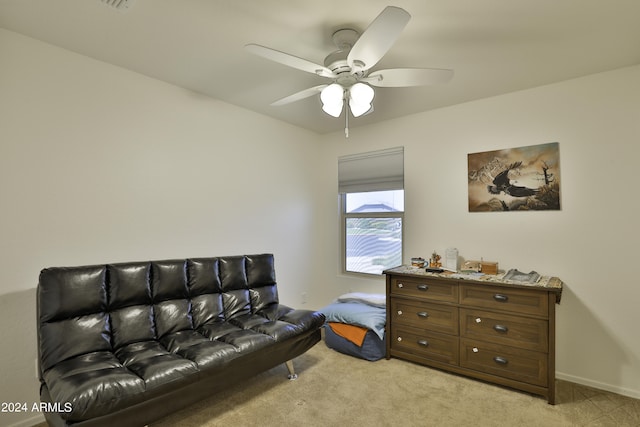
(591, 243)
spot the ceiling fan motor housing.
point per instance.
(337, 62)
(344, 39)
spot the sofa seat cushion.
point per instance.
(154, 364)
(303, 320)
(248, 321)
(199, 349)
(277, 330)
(244, 340)
(93, 384)
(279, 324)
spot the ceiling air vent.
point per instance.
(122, 5)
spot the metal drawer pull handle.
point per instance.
(423, 287)
(400, 285)
(500, 298)
(423, 343)
(501, 328)
(423, 314)
(500, 360)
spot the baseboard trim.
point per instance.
(601, 386)
(29, 422)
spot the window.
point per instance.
(372, 210)
(372, 224)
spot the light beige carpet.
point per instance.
(338, 390)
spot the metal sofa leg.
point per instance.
(292, 374)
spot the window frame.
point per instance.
(344, 216)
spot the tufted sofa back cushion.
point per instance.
(205, 289)
(130, 307)
(171, 305)
(261, 279)
(72, 310)
(104, 307)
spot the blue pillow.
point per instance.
(376, 300)
(353, 313)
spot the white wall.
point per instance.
(591, 244)
(99, 164)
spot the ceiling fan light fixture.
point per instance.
(360, 98)
(359, 109)
(332, 98)
(333, 110)
(349, 67)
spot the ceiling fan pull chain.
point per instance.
(346, 122)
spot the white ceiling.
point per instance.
(494, 46)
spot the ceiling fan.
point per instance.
(350, 67)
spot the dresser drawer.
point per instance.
(432, 345)
(505, 299)
(499, 328)
(433, 289)
(434, 317)
(517, 364)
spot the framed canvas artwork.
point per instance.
(515, 179)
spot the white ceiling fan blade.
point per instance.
(405, 77)
(289, 60)
(299, 95)
(378, 38)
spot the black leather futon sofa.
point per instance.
(126, 344)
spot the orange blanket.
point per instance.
(355, 334)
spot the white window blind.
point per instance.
(372, 171)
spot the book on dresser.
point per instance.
(489, 328)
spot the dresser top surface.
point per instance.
(547, 283)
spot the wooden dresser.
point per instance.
(482, 327)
